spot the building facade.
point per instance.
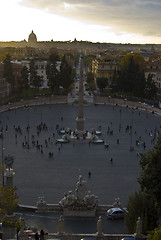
(154, 67)
(105, 68)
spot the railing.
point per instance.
(34, 101)
(126, 103)
(67, 236)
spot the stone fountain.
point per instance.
(80, 204)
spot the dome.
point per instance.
(32, 37)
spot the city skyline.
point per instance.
(110, 21)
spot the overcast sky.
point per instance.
(117, 21)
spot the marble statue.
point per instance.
(80, 189)
(82, 200)
(99, 226)
(9, 160)
(138, 228)
(117, 203)
(61, 225)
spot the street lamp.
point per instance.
(51, 100)
(113, 105)
(155, 133)
(41, 113)
(131, 131)
(2, 148)
(28, 127)
(37, 98)
(120, 120)
(146, 113)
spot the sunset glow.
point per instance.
(64, 21)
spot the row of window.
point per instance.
(108, 68)
(154, 67)
(114, 68)
(157, 78)
(40, 66)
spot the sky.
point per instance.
(110, 21)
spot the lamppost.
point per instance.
(120, 120)
(51, 100)
(113, 105)
(37, 98)
(28, 127)
(9, 173)
(146, 113)
(131, 131)
(2, 148)
(41, 113)
(155, 133)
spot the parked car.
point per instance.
(116, 213)
(30, 229)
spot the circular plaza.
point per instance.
(48, 169)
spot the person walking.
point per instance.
(36, 236)
(42, 234)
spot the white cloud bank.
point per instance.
(133, 21)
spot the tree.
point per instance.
(53, 58)
(35, 79)
(90, 80)
(88, 60)
(155, 234)
(150, 89)
(136, 57)
(90, 77)
(8, 71)
(132, 77)
(53, 73)
(115, 83)
(150, 177)
(66, 76)
(8, 204)
(101, 82)
(24, 82)
(8, 199)
(143, 206)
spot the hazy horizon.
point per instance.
(104, 21)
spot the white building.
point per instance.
(154, 67)
(41, 70)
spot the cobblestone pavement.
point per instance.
(37, 174)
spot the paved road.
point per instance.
(51, 177)
(37, 174)
(49, 222)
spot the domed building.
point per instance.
(32, 38)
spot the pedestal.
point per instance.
(73, 213)
(9, 173)
(80, 127)
(8, 232)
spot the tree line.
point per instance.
(130, 78)
(146, 203)
(57, 78)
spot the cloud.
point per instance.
(132, 16)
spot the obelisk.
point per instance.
(80, 118)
